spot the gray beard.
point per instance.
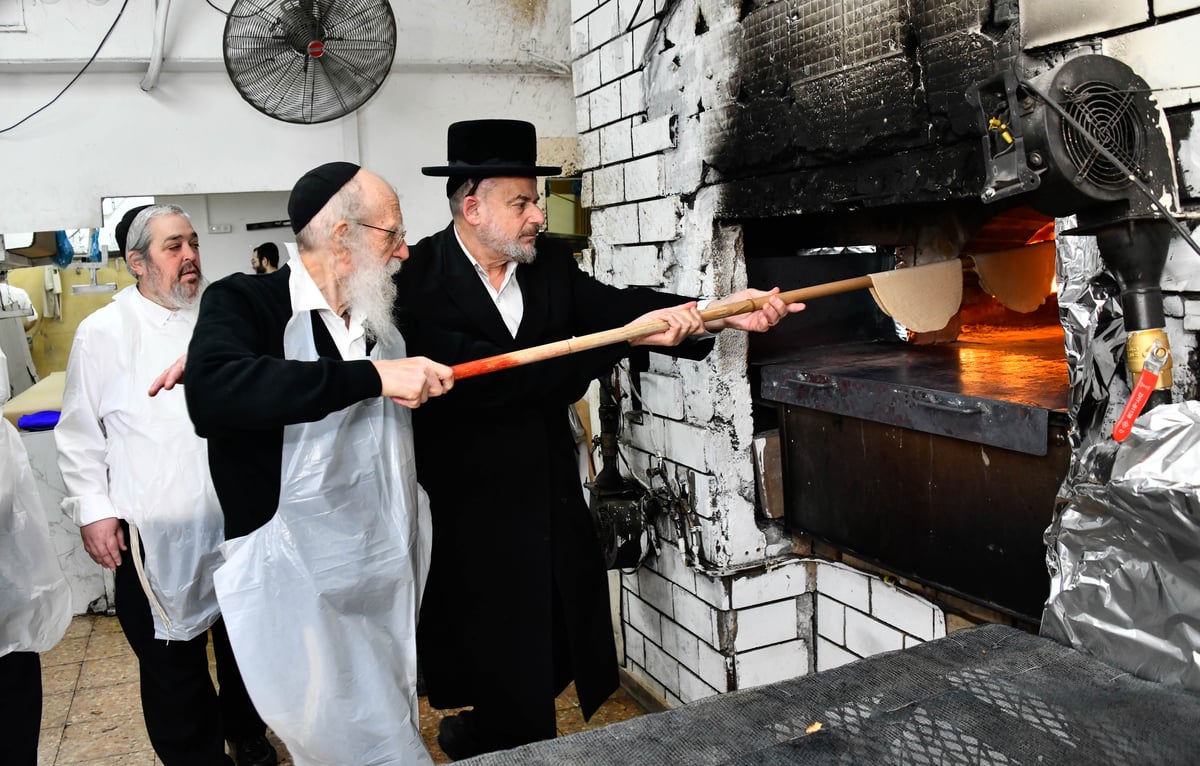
(512, 248)
(178, 296)
(370, 293)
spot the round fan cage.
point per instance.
(1111, 116)
(309, 61)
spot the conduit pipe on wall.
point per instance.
(156, 49)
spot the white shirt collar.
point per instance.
(155, 315)
(508, 299)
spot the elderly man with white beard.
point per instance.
(300, 382)
(138, 486)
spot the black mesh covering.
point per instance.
(988, 695)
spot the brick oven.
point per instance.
(728, 144)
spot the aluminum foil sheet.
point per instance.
(1125, 582)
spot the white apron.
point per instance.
(321, 602)
(180, 530)
(35, 600)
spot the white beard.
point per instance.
(370, 293)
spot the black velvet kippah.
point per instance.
(122, 230)
(315, 188)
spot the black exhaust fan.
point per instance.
(1083, 139)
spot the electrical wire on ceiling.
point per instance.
(230, 14)
(78, 74)
(1106, 154)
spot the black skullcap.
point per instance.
(315, 188)
(122, 230)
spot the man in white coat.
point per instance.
(138, 486)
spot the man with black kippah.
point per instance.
(300, 382)
(517, 600)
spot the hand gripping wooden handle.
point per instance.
(630, 332)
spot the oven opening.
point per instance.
(935, 456)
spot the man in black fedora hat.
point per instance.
(516, 604)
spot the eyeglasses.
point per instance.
(397, 237)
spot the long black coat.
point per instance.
(510, 526)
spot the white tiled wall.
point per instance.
(689, 634)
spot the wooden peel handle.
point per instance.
(641, 330)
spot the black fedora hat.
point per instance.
(490, 148)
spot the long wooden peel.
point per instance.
(630, 332)
(880, 282)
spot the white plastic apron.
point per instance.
(179, 520)
(321, 602)
(35, 600)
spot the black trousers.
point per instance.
(188, 722)
(21, 707)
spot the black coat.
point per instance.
(496, 456)
(241, 392)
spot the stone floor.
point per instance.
(92, 713)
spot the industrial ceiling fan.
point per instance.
(309, 61)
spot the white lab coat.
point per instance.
(124, 454)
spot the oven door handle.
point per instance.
(954, 408)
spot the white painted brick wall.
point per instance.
(770, 664)
(831, 619)
(681, 644)
(655, 590)
(685, 443)
(579, 39)
(616, 225)
(602, 24)
(638, 265)
(585, 72)
(714, 667)
(641, 40)
(670, 564)
(830, 655)
(616, 58)
(900, 609)
(643, 617)
(662, 394)
(608, 186)
(1191, 316)
(652, 136)
(764, 625)
(1173, 305)
(866, 636)
(580, 8)
(644, 178)
(583, 121)
(629, 582)
(691, 687)
(605, 104)
(616, 140)
(788, 579)
(644, 10)
(659, 219)
(698, 617)
(844, 584)
(635, 646)
(633, 96)
(663, 667)
(589, 149)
